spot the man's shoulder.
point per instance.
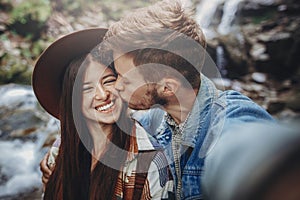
(232, 95)
(237, 105)
(234, 98)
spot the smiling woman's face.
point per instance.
(100, 101)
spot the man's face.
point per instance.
(131, 84)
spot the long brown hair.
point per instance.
(72, 177)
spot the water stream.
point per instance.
(205, 13)
(19, 158)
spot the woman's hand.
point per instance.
(45, 169)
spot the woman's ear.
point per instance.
(168, 86)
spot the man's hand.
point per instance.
(45, 169)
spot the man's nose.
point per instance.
(119, 84)
(101, 93)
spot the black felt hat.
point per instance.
(51, 65)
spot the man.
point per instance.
(158, 53)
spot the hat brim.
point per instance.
(51, 65)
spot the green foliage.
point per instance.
(16, 63)
(73, 7)
(259, 18)
(35, 10)
(37, 48)
(12, 68)
(115, 9)
(28, 18)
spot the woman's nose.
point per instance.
(101, 93)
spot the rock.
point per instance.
(14, 96)
(35, 194)
(274, 51)
(288, 116)
(294, 102)
(23, 132)
(20, 114)
(222, 83)
(4, 18)
(257, 9)
(235, 55)
(237, 86)
(258, 52)
(50, 139)
(28, 18)
(21, 124)
(257, 87)
(267, 40)
(275, 107)
(259, 77)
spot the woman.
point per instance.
(99, 156)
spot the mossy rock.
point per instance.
(29, 18)
(15, 69)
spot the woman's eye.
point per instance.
(109, 81)
(85, 89)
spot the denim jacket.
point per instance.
(213, 113)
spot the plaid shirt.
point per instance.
(158, 183)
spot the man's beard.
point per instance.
(149, 100)
(157, 101)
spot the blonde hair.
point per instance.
(165, 27)
(167, 14)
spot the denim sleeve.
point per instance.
(231, 109)
(149, 119)
(244, 158)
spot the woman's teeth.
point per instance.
(105, 107)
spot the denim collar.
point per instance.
(206, 95)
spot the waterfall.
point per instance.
(205, 13)
(221, 61)
(206, 10)
(229, 11)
